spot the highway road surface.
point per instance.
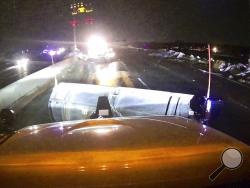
(11, 72)
(135, 68)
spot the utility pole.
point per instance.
(74, 33)
(78, 10)
(73, 23)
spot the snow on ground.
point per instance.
(237, 71)
(168, 54)
(192, 58)
(180, 55)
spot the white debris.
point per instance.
(171, 53)
(242, 81)
(181, 55)
(163, 50)
(202, 61)
(228, 68)
(239, 72)
(222, 65)
(192, 58)
(248, 68)
(166, 54)
(242, 74)
(176, 54)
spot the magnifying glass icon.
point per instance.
(231, 159)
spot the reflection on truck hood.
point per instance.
(139, 151)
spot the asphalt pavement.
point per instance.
(10, 72)
(135, 68)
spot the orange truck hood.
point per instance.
(136, 151)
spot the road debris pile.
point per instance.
(239, 72)
(235, 71)
(168, 54)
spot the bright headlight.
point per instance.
(97, 46)
(22, 63)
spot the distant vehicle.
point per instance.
(98, 49)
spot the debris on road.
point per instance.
(168, 54)
(192, 58)
(181, 55)
(238, 72)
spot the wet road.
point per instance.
(10, 72)
(136, 69)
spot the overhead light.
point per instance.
(215, 49)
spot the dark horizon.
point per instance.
(198, 21)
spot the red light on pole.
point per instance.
(74, 23)
(89, 21)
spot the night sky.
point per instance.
(217, 21)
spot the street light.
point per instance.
(52, 53)
(215, 49)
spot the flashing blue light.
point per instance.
(52, 52)
(59, 51)
(45, 51)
